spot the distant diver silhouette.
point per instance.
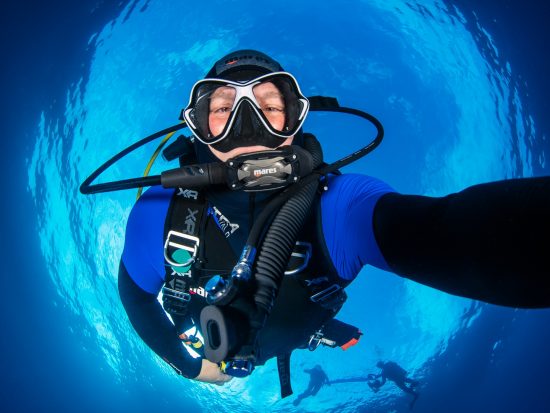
(317, 379)
(390, 370)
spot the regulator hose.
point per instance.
(281, 236)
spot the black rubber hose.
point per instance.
(120, 185)
(312, 145)
(278, 245)
(281, 236)
(194, 176)
(87, 187)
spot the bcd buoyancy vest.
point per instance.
(310, 296)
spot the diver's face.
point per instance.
(271, 103)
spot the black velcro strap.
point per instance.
(322, 102)
(283, 365)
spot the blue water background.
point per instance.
(461, 93)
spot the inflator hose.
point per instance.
(281, 237)
(278, 245)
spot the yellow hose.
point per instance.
(153, 158)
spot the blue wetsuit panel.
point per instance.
(143, 248)
(347, 209)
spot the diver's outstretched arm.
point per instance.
(489, 242)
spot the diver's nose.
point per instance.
(247, 123)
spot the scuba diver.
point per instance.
(317, 379)
(390, 370)
(253, 238)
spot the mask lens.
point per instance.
(220, 105)
(271, 103)
(211, 109)
(293, 104)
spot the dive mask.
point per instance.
(263, 111)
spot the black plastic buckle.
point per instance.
(182, 296)
(331, 297)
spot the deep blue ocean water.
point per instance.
(461, 90)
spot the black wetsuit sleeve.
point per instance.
(153, 326)
(490, 242)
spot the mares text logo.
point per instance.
(264, 171)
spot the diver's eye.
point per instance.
(273, 109)
(224, 110)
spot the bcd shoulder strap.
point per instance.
(185, 220)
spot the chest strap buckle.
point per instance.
(331, 297)
(179, 241)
